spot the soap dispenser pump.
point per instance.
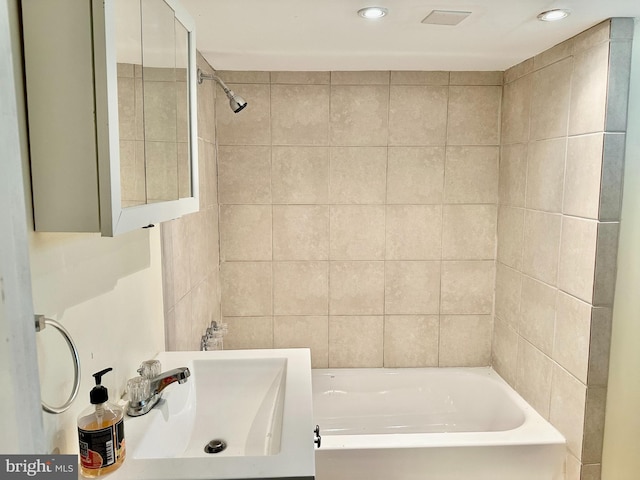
(101, 432)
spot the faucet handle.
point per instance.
(138, 389)
(150, 369)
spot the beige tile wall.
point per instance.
(358, 215)
(558, 218)
(190, 252)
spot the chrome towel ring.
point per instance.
(41, 323)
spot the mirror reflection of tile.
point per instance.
(154, 160)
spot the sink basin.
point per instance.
(239, 401)
(258, 402)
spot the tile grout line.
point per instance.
(442, 220)
(273, 267)
(386, 201)
(329, 190)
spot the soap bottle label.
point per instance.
(101, 448)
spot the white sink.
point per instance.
(257, 401)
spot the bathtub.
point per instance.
(429, 424)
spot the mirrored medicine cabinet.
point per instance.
(111, 98)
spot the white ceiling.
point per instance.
(329, 35)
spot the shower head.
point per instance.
(236, 102)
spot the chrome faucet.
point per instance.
(145, 393)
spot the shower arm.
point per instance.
(210, 76)
(236, 102)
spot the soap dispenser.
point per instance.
(101, 433)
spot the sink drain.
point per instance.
(215, 446)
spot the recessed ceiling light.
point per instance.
(553, 15)
(373, 12)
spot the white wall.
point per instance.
(620, 459)
(108, 293)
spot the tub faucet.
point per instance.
(145, 393)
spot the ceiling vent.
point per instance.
(445, 17)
